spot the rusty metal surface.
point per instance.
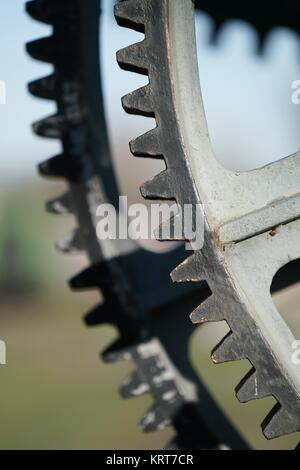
(251, 219)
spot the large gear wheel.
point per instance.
(252, 225)
(139, 307)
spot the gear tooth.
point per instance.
(134, 58)
(43, 49)
(62, 166)
(171, 229)
(100, 315)
(40, 10)
(55, 166)
(147, 145)
(190, 270)
(139, 102)
(278, 422)
(86, 279)
(52, 127)
(227, 350)
(154, 420)
(60, 205)
(71, 243)
(251, 387)
(131, 13)
(118, 351)
(207, 311)
(44, 87)
(133, 386)
(160, 187)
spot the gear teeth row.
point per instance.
(217, 29)
(252, 387)
(134, 386)
(49, 49)
(162, 186)
(69, 118)
(142, 102)
(219, 22)
(278, 422)
(105, 313)
(166, 185)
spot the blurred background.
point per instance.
(54, 391)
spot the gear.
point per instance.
(140, 316)
(259, 14)
(251, 224)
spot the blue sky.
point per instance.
(251, 118)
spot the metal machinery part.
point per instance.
(263, 16)
(140, 307)
(252, 224)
